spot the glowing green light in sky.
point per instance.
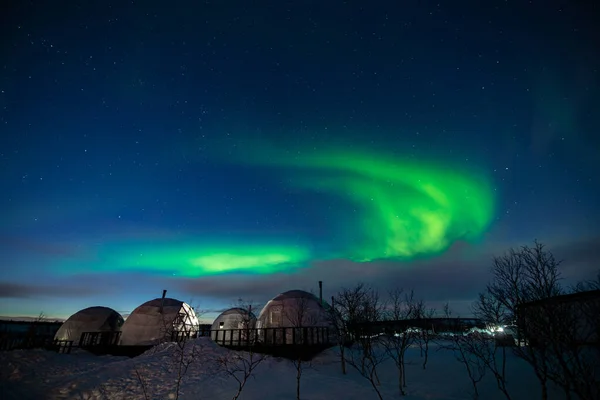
(200, 260)
(405, 207)
(395, 208)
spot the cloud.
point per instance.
(456, 277)
(16, 244)
(580, 260)
(23, 290)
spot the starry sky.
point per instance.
(234, 149)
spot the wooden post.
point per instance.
(304, 335)
(284, 341)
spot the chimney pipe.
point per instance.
(162, 300)
(321, 292)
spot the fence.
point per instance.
(180, 336)
(61, 346)
(435, 325)
(304, 336)
(19, 342)
(94, 339)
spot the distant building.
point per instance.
(40, 328)
(574, 316)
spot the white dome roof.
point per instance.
(233, 319)
(91, 319)
(235, 311)
(296, 294)
(293, 308)
(156, 319)
(301, 294)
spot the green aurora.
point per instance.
(405, 208)
(402, 209)
(194, 260)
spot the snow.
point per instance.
(39, 374)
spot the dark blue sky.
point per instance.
(134, 126)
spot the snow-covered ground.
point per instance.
(39, 374)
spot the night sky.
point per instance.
(237, 149)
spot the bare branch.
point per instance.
(358, 308)
(240, 366)
(551, 330)
(299, 314)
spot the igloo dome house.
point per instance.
(295, 309)
(234, 326)
(91, 319)
(156, 321)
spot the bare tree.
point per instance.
(569, 330)
(346, 312)
(300, 314)
(572, 330)
(447, 310)
(361, 308)
(485, 347)
(518, 277)
(246, 322)
(402, 307)
(186, 352)
(340, 330)
(175, 332)
(425, 336)
(490, 310)
(241, 365)
(463, 348)
(142, 384)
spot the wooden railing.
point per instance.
(94, 339)
(305, 336)
(19, 342)
(62, 346)
(180, 336)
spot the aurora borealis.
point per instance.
(226, 151)
(399, 209)
(402, 208)
(202, 259)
